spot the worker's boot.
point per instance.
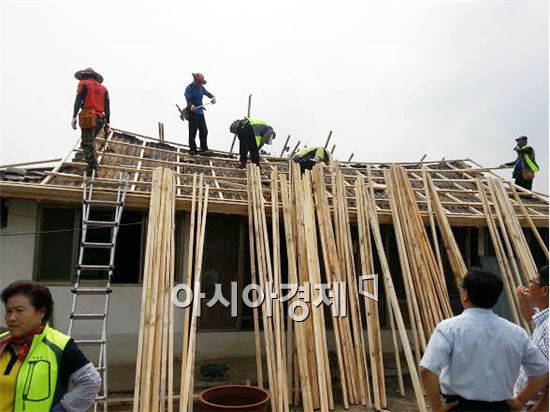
(242, 164)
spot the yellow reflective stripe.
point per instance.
(305, 151)
(530, 163)
(320, 153)
(256, 122)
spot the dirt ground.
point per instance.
(243, 371)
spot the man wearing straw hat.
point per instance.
(473, 359)
(92, 100)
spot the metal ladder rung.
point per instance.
(102, 181)
(89, 341)
(111, 203)
(95, 267)
(88, 316)
(100, 223)
(96, 245)
(91, 291)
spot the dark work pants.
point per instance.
(197, 122)
(87, 144)
(306, 162)
(526, 184)
(465, 405)
(247, 143)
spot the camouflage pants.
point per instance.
(87, 144)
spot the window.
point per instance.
(57, 249)
(220, 265)
(55, 255)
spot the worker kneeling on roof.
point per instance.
(252, 134)
(310, 156)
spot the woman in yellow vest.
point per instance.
(36, 361)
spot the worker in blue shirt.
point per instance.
(193, 95)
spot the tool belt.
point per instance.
(87, 119)
(527, 174)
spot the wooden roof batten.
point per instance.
(138, 155)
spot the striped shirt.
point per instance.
(540, 338)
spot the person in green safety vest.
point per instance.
(525, 165)
(310, 156)
(37, 362)
(252, 134)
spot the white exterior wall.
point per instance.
(17, 252)
(17, 262)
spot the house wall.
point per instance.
(17, 255)
(17, 252)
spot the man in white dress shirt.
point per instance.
(474, 359)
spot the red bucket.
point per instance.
(234, 398)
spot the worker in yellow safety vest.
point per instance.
(37, 362)
(525, 165)
(252, 134)
(310, 156)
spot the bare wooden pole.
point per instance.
(502, 260)
(186, 402)
(458, 265)
(252, 253)
(328, 140)
(371, 307)
(419, 338)
(285, 146)
(529, 220)
(430, 213)
(301, 355)
(295, 148)
(247, 115)
(161, 132)
(189, 277)
(359, 344)
(278, 318)
(395, 306)
(265, 275)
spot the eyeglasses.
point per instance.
(537, 283)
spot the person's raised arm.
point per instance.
(525, 307)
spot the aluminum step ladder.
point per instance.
(99, 286)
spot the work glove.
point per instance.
(193, 108)
(106, 129)
(73, 123)
(213, 100)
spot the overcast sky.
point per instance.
(392, 80)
